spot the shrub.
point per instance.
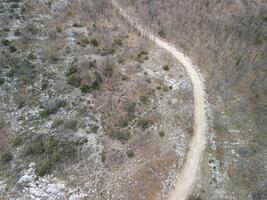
(61, 103)
(258, 40)
(165, 88)
(238, 61)
(94, 128)
(31, 56)
(74, 80)
(130, 106)
(49, 150)
(6, 157)
(117, 42)
(130, 153)
(44, 85)
(162, 34)
(144, 99)
(143, 52)
(98, 77)
(35, 148)
(52, 109)
(19, 139)
(67, 50)
(5, 42)
(17, 33)
(108, 70)
(71, 124)
(143, 123)
(58, 29)
(166, 68)
(43, 167)
(142, 56)
(71, 70)
(2, 81)
(107, 51)
(12, 49)
(121, 135)
(158, 88)
(124, 122)
(57, 122)
(192, 197)
(103, 157)
(95, 85)
(94, 42)
(161, 133)
(77, 25)
(85, 88)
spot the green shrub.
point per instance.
(193, 197)
(57, 122)
(121, 135)
(98, 77)
(108, 70)
(67, 50)
(74, 80)
(103, 157)
(124, 122)
(48, 111)
(95, 85)
(161, 133)
(18, 140)
(48, 151)
(58, 29)
(144, 99)
(143, 52)
(142, 56)
(17, 33)
(35, 148)
(258, 40)
(71, 70)
(44, 85)
(130, 153)
(61, 103)
(165, 88)
(143, 123)
(6, 157)
(162, 34)
(2, 81)
(52, 109)
(107, 51)
(71, 124)
(158, 88)
(77, 25)
(238, 61)
(166, 68)
(130, 106)
(5, 42)
(31, 56)
(85, 88)
(12, 49)
(117, 42)
(94, 42)
(94, 128)
(43, 167)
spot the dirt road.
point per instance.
(185, 177)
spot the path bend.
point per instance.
(186, 177)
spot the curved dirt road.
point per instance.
(186, 177)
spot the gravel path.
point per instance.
(185, 177)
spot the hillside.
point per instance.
(91, 108)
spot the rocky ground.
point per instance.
(89, 110)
